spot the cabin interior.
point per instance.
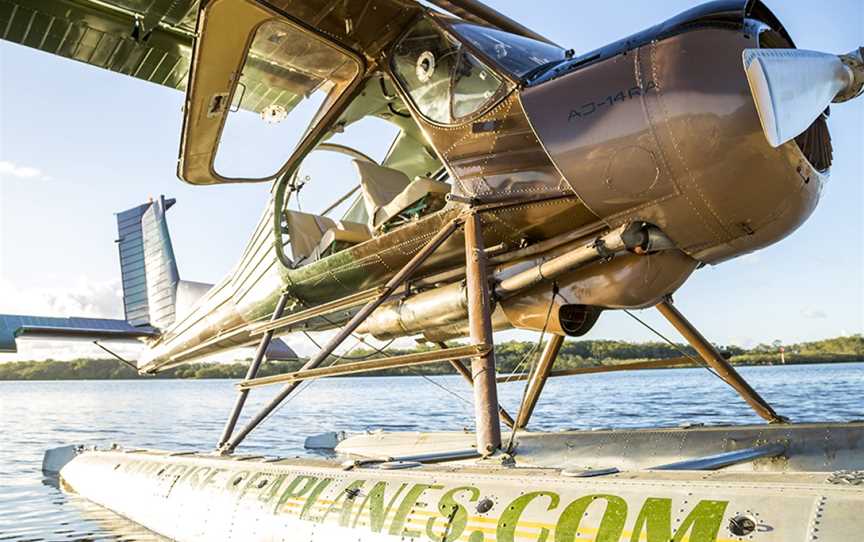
(445, 82)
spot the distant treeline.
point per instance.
(509, 356)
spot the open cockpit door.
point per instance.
(259, 82)
(265, 75)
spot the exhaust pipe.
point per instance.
(446, 308)
(636, 237)
(792, 87)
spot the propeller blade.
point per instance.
(792, 87)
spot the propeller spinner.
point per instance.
(792, 87)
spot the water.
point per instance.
(188, 415)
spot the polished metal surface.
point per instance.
(486, 420)
(372, 365)
(792, 88)
(672, 135)
(726, 459)
(397, 280)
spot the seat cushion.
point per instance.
(347, 234)
(419, 188)
(380, 186)
(305, 231)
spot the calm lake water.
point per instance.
(188, 415)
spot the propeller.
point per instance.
(792, 87)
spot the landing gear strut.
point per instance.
(712, 357)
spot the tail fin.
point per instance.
(147, 264)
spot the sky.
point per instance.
(78, 144)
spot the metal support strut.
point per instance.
(466, 374)
(538, 379)
(391, 286)
(488, 425)
(252, 372)
(712, 357)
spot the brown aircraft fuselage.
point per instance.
(659, 128)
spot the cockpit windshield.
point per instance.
(445, 81)
(516, 54)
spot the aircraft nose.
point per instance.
(791, 87)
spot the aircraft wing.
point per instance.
(152, 39)
(44, 327)
(147, 39)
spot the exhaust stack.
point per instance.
(792, 87)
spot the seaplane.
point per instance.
(528, 187)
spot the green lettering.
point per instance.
(455, 515)
(193, 476)
(655, 519)
(345, 502)
(703, 522)
(397, 527)
(506, 530)
(312, 498)
(251, 483)
(377, 511)
(611, 524)
(209, 478)
(296, 488)
(272, 489)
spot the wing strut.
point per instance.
(252, 371)
(398, 279)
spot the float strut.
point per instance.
(349, 328)
(251, 373)
(488, 425)
(712, 357)
(538, 380)
(466, 374)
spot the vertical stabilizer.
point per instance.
(147, 264)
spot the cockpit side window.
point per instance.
(444, 80)
(517, 55)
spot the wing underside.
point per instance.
(44, 327)
(149, 40)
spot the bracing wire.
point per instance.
(307, 383)
(382, 352)
(695, 360)
(359, 341)
(445, 388)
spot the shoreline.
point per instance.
(444, 372)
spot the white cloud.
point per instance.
(813, 313)
(86, 298)
(11, 169)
